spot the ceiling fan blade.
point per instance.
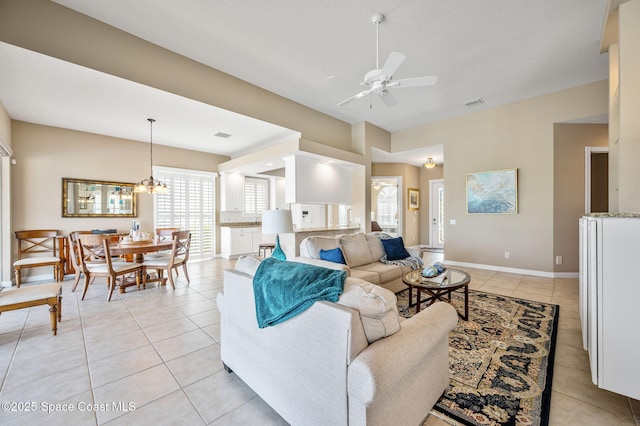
(428, 80)
(394, 61)
(354, 97)
(388, 99)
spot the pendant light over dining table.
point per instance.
(151, 185)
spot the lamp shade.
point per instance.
(277, 222)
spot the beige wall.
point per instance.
(5, 202)
(570, 141)
(44, 155)
(5, 127)
(365, 136)
(46, 27)
(518, 135)
(627, 98)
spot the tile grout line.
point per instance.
(86, 354)
(15, 350)
(163, 361)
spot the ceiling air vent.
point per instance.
(222, 135)
(474, 102)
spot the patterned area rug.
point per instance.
(500, 361)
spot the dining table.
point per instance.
(138, 249)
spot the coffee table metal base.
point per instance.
(437, 295)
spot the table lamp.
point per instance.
(277, 222)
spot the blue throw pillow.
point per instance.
(334, 255)
(394, 247)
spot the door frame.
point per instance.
(399, 186)
(588, 150)
(433, 212)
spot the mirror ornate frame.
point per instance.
(96, 198)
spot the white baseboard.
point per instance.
(32, 279)
(514, 270)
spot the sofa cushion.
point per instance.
(376, 305)
(355, 249)
(333, 255)
(394, 248)
(375, 246)
(386, 273)
(247, 264)
(311, 246)
(363, 274)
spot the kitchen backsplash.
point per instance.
(235, 216)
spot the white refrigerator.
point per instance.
(610, 300)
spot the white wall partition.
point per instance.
(311, 180)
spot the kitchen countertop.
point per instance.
(241, 225)
(334, 228)
(629, 215)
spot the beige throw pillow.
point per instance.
(356, 249)
(377, 307)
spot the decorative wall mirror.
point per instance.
(95, 198)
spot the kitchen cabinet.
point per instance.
(232, 192)
(236, 241)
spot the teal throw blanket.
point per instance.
(284, 289)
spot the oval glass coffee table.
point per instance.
(437, 287)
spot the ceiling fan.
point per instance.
(380, 80)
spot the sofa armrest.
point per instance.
(412, 348)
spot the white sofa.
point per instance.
(318, 368)
(362, 253)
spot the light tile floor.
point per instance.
(153, 357)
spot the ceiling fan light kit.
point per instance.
(380, 80)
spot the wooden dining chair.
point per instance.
(38, 248)
(179, 256)
(161, 264)
(183, 247)
(96, 261)
(74, 255)
(165, 234)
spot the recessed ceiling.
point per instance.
(500, 50)
(75, 97)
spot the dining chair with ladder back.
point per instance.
(74, 256)
(96, 261)
(182, 253)
(162, 234)
(38, 248)
(161, 264)
(183, 247)
(165, 234)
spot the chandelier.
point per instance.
(151, 185)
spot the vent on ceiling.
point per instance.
(474, 102)
(222, 135)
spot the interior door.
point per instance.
(436, 213)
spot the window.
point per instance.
(388, 206)
(190, 205)
(256, 195)
(343, 215)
